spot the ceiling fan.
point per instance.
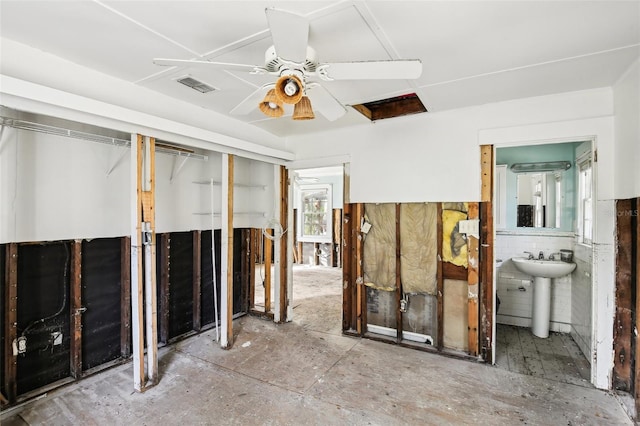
(295, 63)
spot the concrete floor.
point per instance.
(306, 372)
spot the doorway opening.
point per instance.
(541, 213)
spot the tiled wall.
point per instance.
(581, 291)
(515, 288)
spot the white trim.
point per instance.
(31, 97)
(310, 163)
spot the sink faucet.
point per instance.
(529, 253)
(541, 255)
(552, 256)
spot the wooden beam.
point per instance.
(226, 340)
(398, 278)
(165, 286)
(11, 321)
(125, 297)
(197, 279)
(624, 297)
(440, 283)
(284, 264)
(636, 218)
(472, 279)
(361, 300)
(486, 168)
(486, 280)
(348, 283)
(150, 289)
(75, 296)
(454, 272)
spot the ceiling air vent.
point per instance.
(196, 84)
(391, 107)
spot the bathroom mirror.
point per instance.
(539, 200)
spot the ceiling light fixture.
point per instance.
(289, 89)
(271, 105)
(302, 110)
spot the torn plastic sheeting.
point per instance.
(419, 247)
(379, 258)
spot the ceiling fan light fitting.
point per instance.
(302, 110)
(289, 89)
(271, 106)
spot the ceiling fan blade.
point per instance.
(207, 64)
(402, 69)
(324, 102)
(290, 34)
(251, 102)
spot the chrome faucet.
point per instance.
(541, 255)
(529, 253)
(552, 256)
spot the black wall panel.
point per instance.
(2, 312)
(181, 284)
(206, 287)
(101, 292)
(43, 309)
(238, 293)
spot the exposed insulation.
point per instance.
(456, 327)
(379, 258)
(418, 247)
(454, 245)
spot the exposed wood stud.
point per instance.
(75, 297)
(227, 251)
(165, 289)
(440, 283)
(252, 264)
(486, 166)
(625, 297)
(486, 252)
(137, 305)
(151, 302)
(472, 279)
(11, 321)
(284, 264)
(347, 282)
(399, 325)
(361, 301)
(125, 297)
(197, 279)
(636, 221)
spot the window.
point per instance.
(315, 213)
(585, 203)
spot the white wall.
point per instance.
(56, 188)
(627, 128)
(435, 156)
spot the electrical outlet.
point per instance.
(469, 227)
(19, 345)
(56, 338)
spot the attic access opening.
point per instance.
(391, 107)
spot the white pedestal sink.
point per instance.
(542, 272)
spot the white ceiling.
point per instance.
(473, 52)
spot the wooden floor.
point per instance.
(555, 358)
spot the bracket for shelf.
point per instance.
(174, 170)
(124, 151)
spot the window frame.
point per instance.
(585, 199)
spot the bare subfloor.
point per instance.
(306, 372)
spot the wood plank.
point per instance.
(440, 283)
(268, 253)
(453, 272)
(197, 280)
(11, 321)
(472, 279)
(361, 301)
(624, 296)
(486, 280)
(125, 297)
(284, 221)
(398, 283)
(348, 314)
(229, 237)
(486, 167)
(636, 218)
(75, 297)
(151, 295)
(165, 290)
